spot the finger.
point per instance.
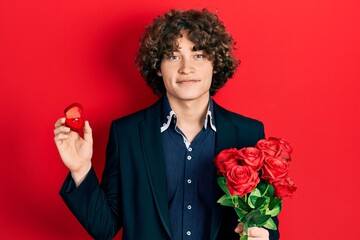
(258, 232)
(59, 137)
(59, 122)
(61, 129)
(88, 132)
(239, 228)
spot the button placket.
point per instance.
(189, 186)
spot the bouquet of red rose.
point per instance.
(255, 179)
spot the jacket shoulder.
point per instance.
(236, 118)
(248, 130)
(131, 119)
(129, 122)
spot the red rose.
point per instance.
(284, 146)
(252, 157)
(274, 169)
(226, 160)
(284, 188)
(270, 148)
(273, 147)
(241, 180)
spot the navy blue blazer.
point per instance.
(132, 193)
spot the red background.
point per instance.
(299, 75)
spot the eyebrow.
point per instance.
(193, 49)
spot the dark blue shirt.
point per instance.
(191, 176)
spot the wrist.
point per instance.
(80, 174)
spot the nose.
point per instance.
(186, 67)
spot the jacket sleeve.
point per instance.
(97, 207)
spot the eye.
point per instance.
(200, 55)
(172, 57)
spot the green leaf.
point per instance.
(240, 213)
(251, 214)
(226, 200)
(270, 191)
(254, 195)
(270, 224)
(252, 201)
(222, 183)
(274, 202)
(256, 218)
(262, 186)
(259, 202)
(275, 211)
(256, 192)
(243, 205)
(260, 220)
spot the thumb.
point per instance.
(88, 133)
(239, 228)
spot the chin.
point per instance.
(192, 97)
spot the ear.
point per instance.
(159, 73)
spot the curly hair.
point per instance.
(204, 29)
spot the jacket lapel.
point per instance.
(151, 147)
(226, 137)
(226, 134)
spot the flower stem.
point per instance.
(267, 188)
(242, 236)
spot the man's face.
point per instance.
(187, 74)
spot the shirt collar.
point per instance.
(168, 115)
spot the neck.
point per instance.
(190, 114)
(189, 109)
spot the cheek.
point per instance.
(167, 71)
(209, 77)
(209, 72)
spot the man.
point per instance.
(159, 180)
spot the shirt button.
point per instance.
(188, 157)
(188, 181)
(188, 233)
(190, 149)
(189, 206)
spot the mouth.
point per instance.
(186, 81)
